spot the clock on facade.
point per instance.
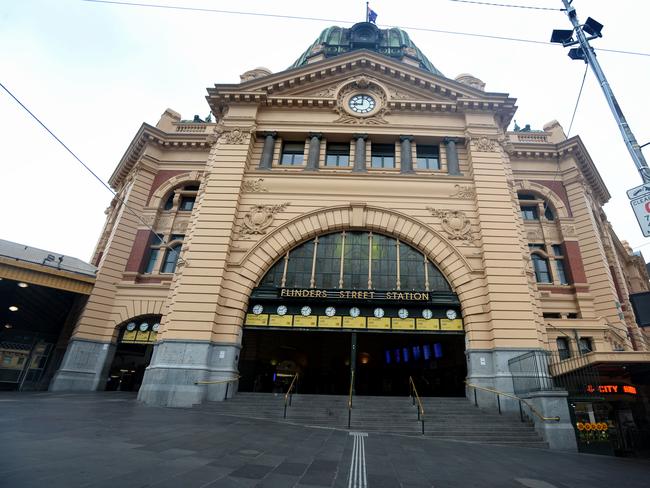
(131, 326)
(451, 314)
(155, 327)
(362, 104)
(379, 312)
(306, 310)
(330, 311)
(258, 309)
(402, 313)
(144, 326)
(282, 309)
(354, 312)
(427, 313)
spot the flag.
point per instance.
(372, 16)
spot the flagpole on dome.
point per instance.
(367, 10)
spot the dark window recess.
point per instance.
(176, 237)
(355, 270)
(384, 262)
(293, 153)
(191, 188)
(563, 347)
(328, 261)
(171, 259)
(382, 156)
(541, 247)
(548, 212)
(552, 315)
(187, 203)
(300, 259)
(561, 272)
(557, 250)
(337, 154)
(540, 265)
(525, 197)
(585, 345)
(169, 203)
(529, 212)
(572, 316)
(428, 157)
(153, 257)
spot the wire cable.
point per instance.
(575, 109)
(340, 21)
(508, 5)
(115, 195)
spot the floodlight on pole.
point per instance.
(586, 53)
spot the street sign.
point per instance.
(641, 207)
(636, 192)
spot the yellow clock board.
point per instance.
(446, 324)
(260, 319)
(403, 324)
(280, 320)
(428, 324)
(354, 322)
(332, 322)
(382, 323)
(305, 321)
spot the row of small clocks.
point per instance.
(143, 327)
(402, 313)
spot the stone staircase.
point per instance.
(445, 418)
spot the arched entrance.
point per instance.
(354, 301)
(135, 344)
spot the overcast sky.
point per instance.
(94, 72)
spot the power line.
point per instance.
(340, 21)
(575, 109)
(508, 5)
(162, 241)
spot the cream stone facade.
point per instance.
(512, 220)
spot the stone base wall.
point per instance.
(84, 367)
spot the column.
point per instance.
(453, 167)
(406, 165)
(360, 153)
(314, 152)
(266, 161)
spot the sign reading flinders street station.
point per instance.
(356, 294)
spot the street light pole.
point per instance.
(590, 58)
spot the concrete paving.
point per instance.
(110, 440)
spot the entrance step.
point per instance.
(445, 418)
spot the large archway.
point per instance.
(354, 301)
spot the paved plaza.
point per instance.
(110, 440)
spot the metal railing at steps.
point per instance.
(413, 393)
(350, 398)
(289, 394)
(514, 397)
(220, 382)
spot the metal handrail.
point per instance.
(514, 397)
(288, 395)
(350, 398)
(414, 395)
(217, 382)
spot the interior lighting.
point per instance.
(13, 308)
(8, 326)
(23, 285)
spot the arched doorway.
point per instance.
(354, 301)
(134, 349)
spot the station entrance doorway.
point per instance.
(324, 360)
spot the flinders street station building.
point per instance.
(360, 223)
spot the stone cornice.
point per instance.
(148, 134)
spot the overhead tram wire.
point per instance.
(508, 5)
(115, 195)
(575, 109)
(340, 21)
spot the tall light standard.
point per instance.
(586, 53)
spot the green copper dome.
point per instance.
(393, 42)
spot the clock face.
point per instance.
(362, 104)
(305, 310)
(282, 309)
(144, 326)
(131, 326)
(427, 314)
(330, 311)
(258, 309)
(451, 314)
(354, 312)
(155, 327)
(402, 313)
(379, 312)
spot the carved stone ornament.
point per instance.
(259, 218)
(464, 192)
(534, 236)
(366, 85)
(568, 231)
(455, 223)
(253, 186)
(327, 92)
(230, 135)
(398, 95)
(484, 144)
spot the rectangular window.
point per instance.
(557, 250)
(561, 273)
(382, 156)
(585, 345)
(337, 154)
(187, 203)
(529, 212)
(540, 266)
(563, 347)
(328, 261)
(153, 258)
(428, 157)
(293, 153)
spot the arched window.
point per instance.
(186, 198)
(533, 207)
(540, 264)
(355, 261)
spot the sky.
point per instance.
(93, 73)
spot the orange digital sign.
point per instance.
(612, 389)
